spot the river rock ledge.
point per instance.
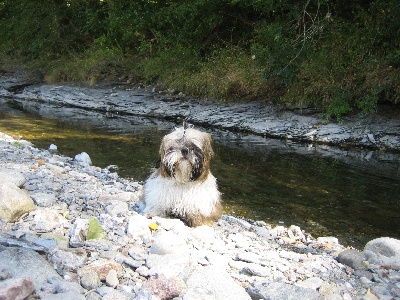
(81, 236)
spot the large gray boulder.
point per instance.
(26, 263)
(383, 251)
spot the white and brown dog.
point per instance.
(182, 186)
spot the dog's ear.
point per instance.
(208, 150)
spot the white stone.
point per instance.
(213, 283)
(204, 234)
(112, 278)
(83, 159)
(138, 227)
(383, 251)
(171, 265)
(47, 219)
(248, 257)
(78, 232)
(167, 242)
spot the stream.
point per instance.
(326, 191)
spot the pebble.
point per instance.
(234, 259)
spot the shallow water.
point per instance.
(260, 179)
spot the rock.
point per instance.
(138, 227)
(163, 287)
(56, 289)
(14, 202)
(15, 289)
(204, 234)
(115, 295)
(311, 283)
(213, 283)
(383, 251)
(78, 233)
(67, 261)
(167, 242)
(83, 159)
(328, 239)
(47, 219)
(12, 177)
(257, 270)
(248, 257)
(53, 148)
(279, 291)
(90, 280)
(65, 296)
(170, 265)
(352, 258)
(102, 267)
(295, 233)
(118, 209)
(27, 263)
(112, 278)
(44, 199)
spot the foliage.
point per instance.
(342, 56)
(95, 231)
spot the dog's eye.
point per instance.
(170, 149)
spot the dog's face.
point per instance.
(185, 155)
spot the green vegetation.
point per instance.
(341, 56)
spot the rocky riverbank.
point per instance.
(70, 230)
(376, 132)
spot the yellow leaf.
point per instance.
(153, 226)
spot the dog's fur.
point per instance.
(182, 186)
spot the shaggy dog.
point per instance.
(182, 185)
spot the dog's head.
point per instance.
(185, 154)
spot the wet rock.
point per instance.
(352, 258)
(14, 202)
(15, 289)
(383, 251)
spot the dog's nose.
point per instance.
(185, 151)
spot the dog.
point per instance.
(182, 185)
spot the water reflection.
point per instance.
(323, 195)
